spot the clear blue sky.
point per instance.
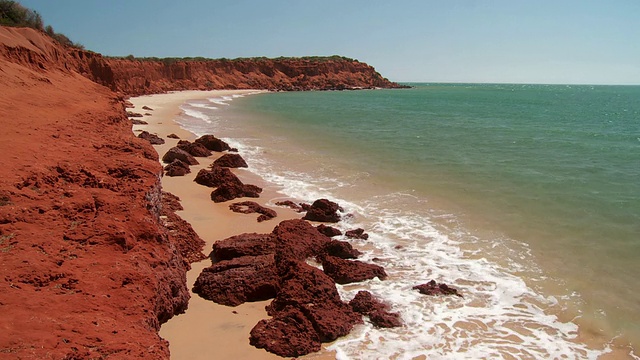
(537, 41)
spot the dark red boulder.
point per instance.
(233, 190)
(213, 143)
(138, 122)
(288, 334)
(250, 207)
(233, 282)
(177, 153)
(298, 239)
(341, 249)
(350, 271)
(290, 204)
(231, 161)
(216, 176)
(330, 231)
(307, 288)
(173, 136)
(357, 234)
(323, 210)
(152, 138)
(147, 108)
(250, 244)
(177, 168)
(194, 149)
(365, 304)
(133, 114)
(433, 288)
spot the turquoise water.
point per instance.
(527, 197)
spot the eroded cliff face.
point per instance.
(86, 268)
(146, 76)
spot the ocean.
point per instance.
(526, 198)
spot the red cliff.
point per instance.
(88, 268)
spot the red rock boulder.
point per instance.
(194, 149)
(365, 304)
(330, 231)
(357, 234)
(231, 161)
(152, 138)
(177, 168)
(177, 153)
(242, 279)
(213, 143)
(323, 210)
(250, 244)
(433, 288)
(215, 177)
(349, 271)
(250, 207)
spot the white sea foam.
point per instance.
(190, 111)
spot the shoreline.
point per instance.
(205, 324)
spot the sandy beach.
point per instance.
(208, 329)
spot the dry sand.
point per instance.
(208, 330)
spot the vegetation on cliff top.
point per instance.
(170, 60)
(14, 14)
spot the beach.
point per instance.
(207, 327)
(415, 235)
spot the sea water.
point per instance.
(526, 198)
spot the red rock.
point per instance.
(298, 239)
(329, 231)
(173, 136)
(139, 122)
(146, 108)
(176, 153)
(290, 204)
(194, 149)
(252, 244)
(233, 190)
(177, 168)
(171, 202)
(230, 161)
(132, 114)
(385, 319)
(152, 138)
(288, 334)
(233, 282)
(180, 232)
(433, 288)
(357, 234)
(250, 207)
(350, 271)
(323, 210)
(216, 176)
(378, 313)
(341, 249)
(212, 143)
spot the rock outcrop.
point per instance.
(176, 153)
(323, 210)
(433, 288)
(306, 309)
(152, 138)
(230, 161)
(250, 207)
(195, 149)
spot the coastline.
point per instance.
(207, 325)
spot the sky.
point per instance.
(479, 41)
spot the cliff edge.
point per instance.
(87, 269)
